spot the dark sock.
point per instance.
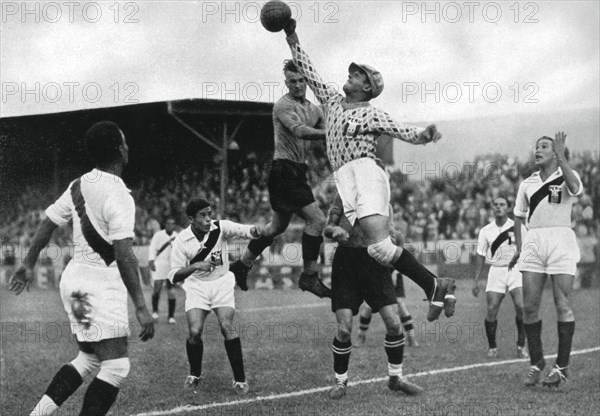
(236, 359)
(409, 266)
(490, 332)
(65, 382)
(98, 398)
(155, 297)
(194, 353)
(257, 246)
(565, 337)
(364, 323)
(394, 348)
(534, 342)
(520, 332)
(407, 323)
(311, 246)
(171, 307)
(341, 355)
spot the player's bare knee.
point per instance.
(85, 363)
(344, 334)
(317, 224)
(228, 330)
(564, 312)
(171, 294)
(394, 329)
(383, 251)
(114, 372)
(195, 336)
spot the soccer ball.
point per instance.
(274, 15)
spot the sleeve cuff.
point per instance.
(520, 213)
(293, 39)
(120, 236)
(55, 218)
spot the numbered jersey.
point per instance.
(546, 203)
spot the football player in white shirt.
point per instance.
(200, 259)
(159, 261)
(545, 200)
(96, 281)
(496, 247)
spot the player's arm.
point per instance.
(382, 123)
(23, 276)
(152, 252)
(572, 180)
(289, 118)
(482, 246)
(519, 221)
(323, 92)
(233, 229)
(128, 268)
(333, 231)
(180, 270)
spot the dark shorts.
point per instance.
(399, 289)
(288, 186)
(357, 277)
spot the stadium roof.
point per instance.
(222, 107)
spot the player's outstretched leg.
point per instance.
(439, 291)
(65, 382)
(394, 348)
(311, 247)
(342, 346)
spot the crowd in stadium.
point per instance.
(452, 205)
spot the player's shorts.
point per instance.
(399, 286)
(95, 299)
(162, 271)
(500, 279)
(209, 295)
(288, 186)
(364, 189)
(357, 277)
(551, 250)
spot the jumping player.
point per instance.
(159, 261)
(352, 129)
(199, 258)
(496, 247)
(357, 277)
(545, 200)
(96, 281)
(296, 121)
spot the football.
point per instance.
(274, 15)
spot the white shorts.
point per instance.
(364, 189)
(212, 294)
(162, 271)
(500, 279)
(95, 299)
(552, 250)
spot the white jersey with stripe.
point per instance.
(186, 246)
(109, 207)
(505, 251)
(554, 210)
(351, 130)
(159, 240)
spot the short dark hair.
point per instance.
(102, 142)
(196, 205)
(567, 153)
(289, 65)
(502, 197)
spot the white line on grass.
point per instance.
(190, 408)
(277, 308)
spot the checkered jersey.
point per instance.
(351, 129)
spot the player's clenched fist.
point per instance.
(430, 134)
(290, 27)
